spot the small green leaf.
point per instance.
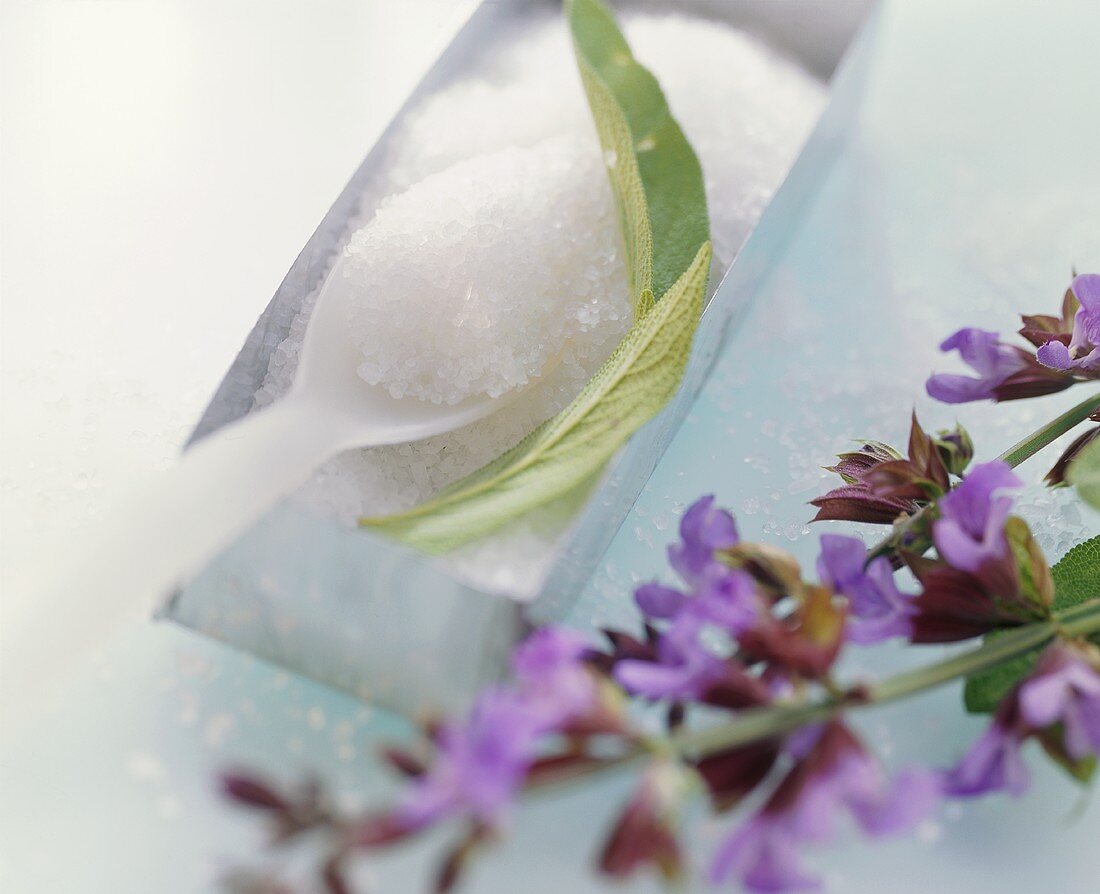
(1076, 579)
(1084, 474)
(658, 186)
(1077, 575)
(985, 690)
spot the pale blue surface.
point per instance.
(969, 195)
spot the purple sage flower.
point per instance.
(720, 599)
(848, 777)
(726, 598)
(1082, 354)
(993, 360)
(552, 677)
(877, 609)
(480, 765)
(482, 761)
(832, 774)
(685, 667)
(1064, 689)
(970, 529)
(724, 601)
(703, 529)
(992, 764)
(763, 855)
(659, 602)
(723, 596)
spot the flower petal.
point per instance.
(762, 854)
(1086, 286)
(1055, 355)
(910, 799)
(659, 601)
(992, 764)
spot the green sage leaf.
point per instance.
(985, 690)
(658, 186)
(1077, 575)
(1084, 474)
(655, 175)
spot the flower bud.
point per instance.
(645, 834)
(955, 449)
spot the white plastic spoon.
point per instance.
(171, 529)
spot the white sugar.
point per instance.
(440, 317)
(495, 255)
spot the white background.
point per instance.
(161, 165)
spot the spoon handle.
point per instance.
(167, 531)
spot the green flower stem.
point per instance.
(757, 724)
(762, 723)
(1037, 440)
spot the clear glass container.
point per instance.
(400, 628)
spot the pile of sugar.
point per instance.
(746, 109)
(438, 316)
